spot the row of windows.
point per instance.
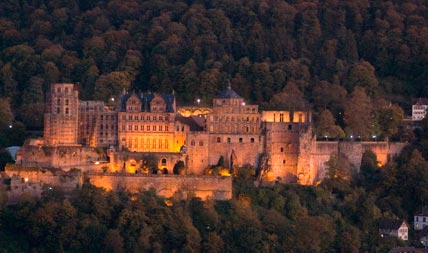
(234, 128)
(58, 110)
(177, 128)
(107, 134)
(112, 127)
(423, 219)
(238, 119)
(229, 140)
(58, 101)
(107, 117)
(148, 118)
(143, 143)
(419, 112)
(148, 128)
(59, 90)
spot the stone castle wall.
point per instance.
(36, 180)
(34, 153)
(353, 151)
(204, 187)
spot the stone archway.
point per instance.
(164, 171)
(179, 168)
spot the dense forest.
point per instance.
(368, 57)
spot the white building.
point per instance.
(419, 110)
(420, 221)
(391, 227)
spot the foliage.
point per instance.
(278, 54)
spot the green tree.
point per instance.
(362, 74)
(326, 126)
(359, 118)
(109, 85)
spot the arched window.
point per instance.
(282, 149)
(192, 143)
(201, 143)
(252, 140)
(163, 162)
(240, 140)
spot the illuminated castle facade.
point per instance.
(147, 123)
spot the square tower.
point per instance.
(61, 117)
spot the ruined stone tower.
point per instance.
(61, 117)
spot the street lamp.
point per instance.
(198, 100)
(352, 136)
(326, 137)
(374, 137)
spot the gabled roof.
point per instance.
(391, 224)
(146, 98)
(228, 93)
(422, 101)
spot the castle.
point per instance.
(149, 123)
(145, 133)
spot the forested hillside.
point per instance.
(288, 54)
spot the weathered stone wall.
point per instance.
(52, 177)
(197, 154)
(35, 154)
(204, 187)
(242, 149)
(353, 151)
(282, 147)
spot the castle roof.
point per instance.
(146, 98)
(194, 122)
(228, 93)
